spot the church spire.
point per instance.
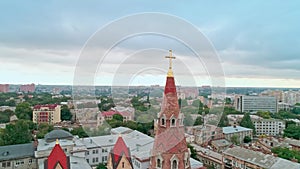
(170, 148)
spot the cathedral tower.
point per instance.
(170, 149)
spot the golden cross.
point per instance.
(170, 57)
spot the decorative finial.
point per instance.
(170, 57)
(120, 135)
(57, 141)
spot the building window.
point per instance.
(4, 165)
(8, 164)
(30, 161)
(163, 121)
(87, 153)
(174, 164)
(87, 160)
(158, 163)
(173, 122)
(97, 159)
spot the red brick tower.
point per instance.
(170, 149)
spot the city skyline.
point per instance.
(255, 41)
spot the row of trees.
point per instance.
(286, 153)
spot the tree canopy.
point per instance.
(18, 133)
(24, 111)
(246, 122)
(292, 131)
(65, 113)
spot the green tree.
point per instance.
(118, 117)
(198, 121)
(247, 139)
(79, 132)
(264, 114)
(223, 120)
(292, 131)
(246, 122)
(65, 113)
(24, 111)
(101, 166)
(43, 129)
(17, 133)
(286, 153)
(193, 152)
(235, 139)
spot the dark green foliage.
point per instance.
(5, 99)
(106, 103)
(5, 116)
(247, 139)
(193, 152)
(101, 166)
(18, 133)
(79, 132)
(284, 115)
(227, 100)
(235, 140)
(188, 120)
(286, 153)
(264, 114)
(246, 122)
(24, 111)
(65, 113)
(198, 121)
(223, 121)
(292, 131)
(140, 105)
(43, 129)
(118, 117)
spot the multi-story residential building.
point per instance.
(205, 133)
(208, 157)
(220, 145)
(269, 126)
(20, 156)
(49, 113)
(4, 88)
(291, 97)
(241, 158)
(256, 103)
(237, 118)
(237, 131)
(27, 88)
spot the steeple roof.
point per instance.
(57, 157)
(120, 149)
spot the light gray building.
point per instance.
(240, 132)
(269, 126)
(256, 103)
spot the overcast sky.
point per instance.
(257, 42)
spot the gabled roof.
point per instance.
(57, 157)
(120, 149)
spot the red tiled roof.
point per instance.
(112, 112)
(119, 150)
(50, 106)
(56, 156)
(170, 85)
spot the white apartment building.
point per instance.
(256, 103)
(269, 126)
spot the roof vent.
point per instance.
(5, 153)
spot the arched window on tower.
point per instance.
(158, 163)
(173, 122)
(163, 120)
(174, 164)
